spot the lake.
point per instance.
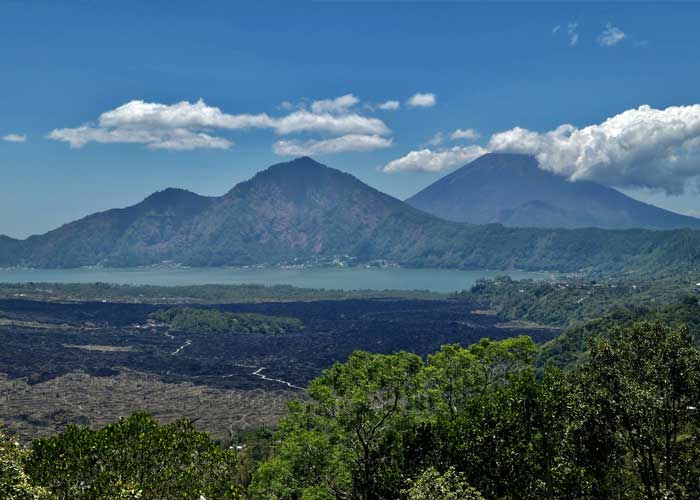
(352, 278)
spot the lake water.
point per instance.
(354, 278)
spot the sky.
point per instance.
(103, 103)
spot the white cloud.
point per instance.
(342, 144)
(556, 29)
(183, 114)
(338, 105)
(610, 36)
(428, 160)
(389, 105)
(467, 133)
(639, 148)
(419, 100)
(572, 34)
(185, 125)
(14, 138)
(174, 139)
(351, 123)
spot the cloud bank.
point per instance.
(188, 125)
(643, 147)
(639, 148)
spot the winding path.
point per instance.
(279, 381)
(256, 373)
(179, 349)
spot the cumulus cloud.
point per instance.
(650, 148)
(420, 100)
(178, 139)
(186, 125)
(428, 160)
(468, 133)
(389, 105)
(342, 144)
(338, 105)
(639, 148)
(572, 34)
(610, 36)
(14, 138)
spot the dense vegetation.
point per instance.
(197, 294)
(586, 308)
(135, 458)
(570, 301)
(477, 421)
(467, 423)
(567, 350)
(189, 319)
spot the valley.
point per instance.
(92, 362)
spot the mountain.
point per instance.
(135, 235)
(512, 190)
(304, 212)
(298, 210)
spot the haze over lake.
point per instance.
(352, 278)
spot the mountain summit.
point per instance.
(304, 212)
(512, 190)
(296, 210)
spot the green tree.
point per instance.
(456, 375)
(347, 441)
(450, 485)
(641, 391)
(131, 459)
(15, 483)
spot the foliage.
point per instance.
(193, 294)
(643, 385)
(214, 321)
(346, 441)
(567, 302)
(15, 484)
(132, 459)
(479, 421)
(450, 485)
(571, 347)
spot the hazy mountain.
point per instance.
(295, 210)
(302, 211)
(510, 189)
(140, 234)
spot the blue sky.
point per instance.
(489, 66)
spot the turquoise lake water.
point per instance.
(353, 278)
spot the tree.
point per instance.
(451, 485)
(642, 385)
(15, 484)
(131, 459)
(347, 440)
(456, 375)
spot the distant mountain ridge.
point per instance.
(511, 189)
(304, 212)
